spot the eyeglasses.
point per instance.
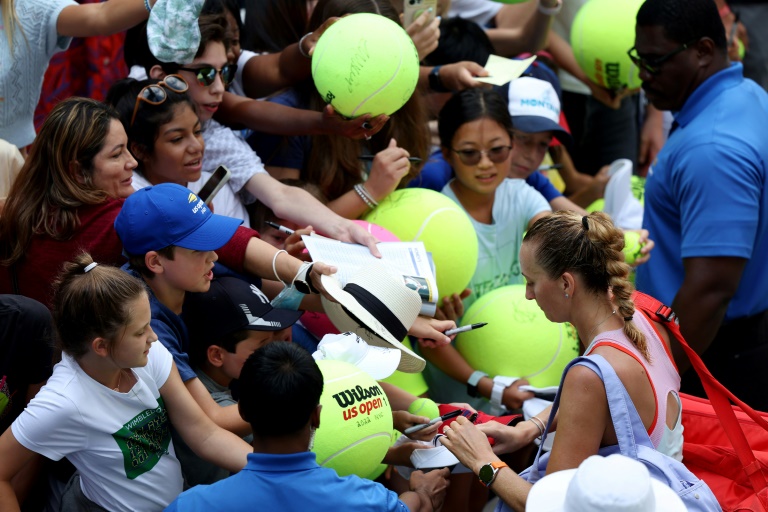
(206, 75)
(653, 66)
(473, 156)
(155, 94)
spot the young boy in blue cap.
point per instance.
(226, 324)
(170, 237)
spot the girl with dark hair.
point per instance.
(109, 405)
(333, 163)
(476, 137)
(575, 271)
(166, 137)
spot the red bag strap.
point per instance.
(719, 396)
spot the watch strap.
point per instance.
(494, 468)
(472, 382)
(500, 383)
(435, 83)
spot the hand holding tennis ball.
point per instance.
(632, 247)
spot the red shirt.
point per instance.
(96, 235)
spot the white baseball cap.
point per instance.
(378, 362)
(603, 484)
(535, 107)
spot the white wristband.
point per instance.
(551, 11)
(500, 383)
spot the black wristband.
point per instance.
(435, 83)
(306, 287)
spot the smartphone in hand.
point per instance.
(412, 9)
(217, 180)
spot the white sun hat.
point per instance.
(378, 362)
(377, 306)
(603, 484)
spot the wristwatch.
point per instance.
(473, 381)
(489, 471)
(435, 83)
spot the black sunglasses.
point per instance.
(155, 94)
(206, 74)
(653, 66)
(473, 156)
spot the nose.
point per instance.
(131, 163)
(485, 161)
(213, 257)
(152, 334)
(644, 74)
(529, 293)
(217, 87)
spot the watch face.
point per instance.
(486, 474)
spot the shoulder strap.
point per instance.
(719, 396)
(629, 428)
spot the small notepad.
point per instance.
(502, 70)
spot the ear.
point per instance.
(100, 346)
(74, 170)
(705, 51)
(447, 154)
(568, 283)
(153, 262)
(215, 356)
(156, 72)
(314, 418)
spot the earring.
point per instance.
(566, 295)
(311, 438)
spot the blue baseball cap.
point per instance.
(168, 214)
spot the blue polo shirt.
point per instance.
(705, 196)
(288, 483)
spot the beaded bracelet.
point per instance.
(147, 6)
(366, 196)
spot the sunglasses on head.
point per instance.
(155, 94)
(496, 154)
(206, 74)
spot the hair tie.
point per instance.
(628, 318)
(89, 267)
(585, 223)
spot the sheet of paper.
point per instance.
(408, 259)
(502, 70)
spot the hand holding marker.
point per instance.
(422, 426)
(465, 328)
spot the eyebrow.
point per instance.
(116, 147)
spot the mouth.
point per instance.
(211, 107)
(209, 275)
(194, 164)
(128, 180)
(486, 177)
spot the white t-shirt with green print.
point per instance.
(120, 442)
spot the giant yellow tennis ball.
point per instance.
(365, 64)
(355, 422)
(518, 341)
(632, 246)
(601, 34)
(433, 218)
